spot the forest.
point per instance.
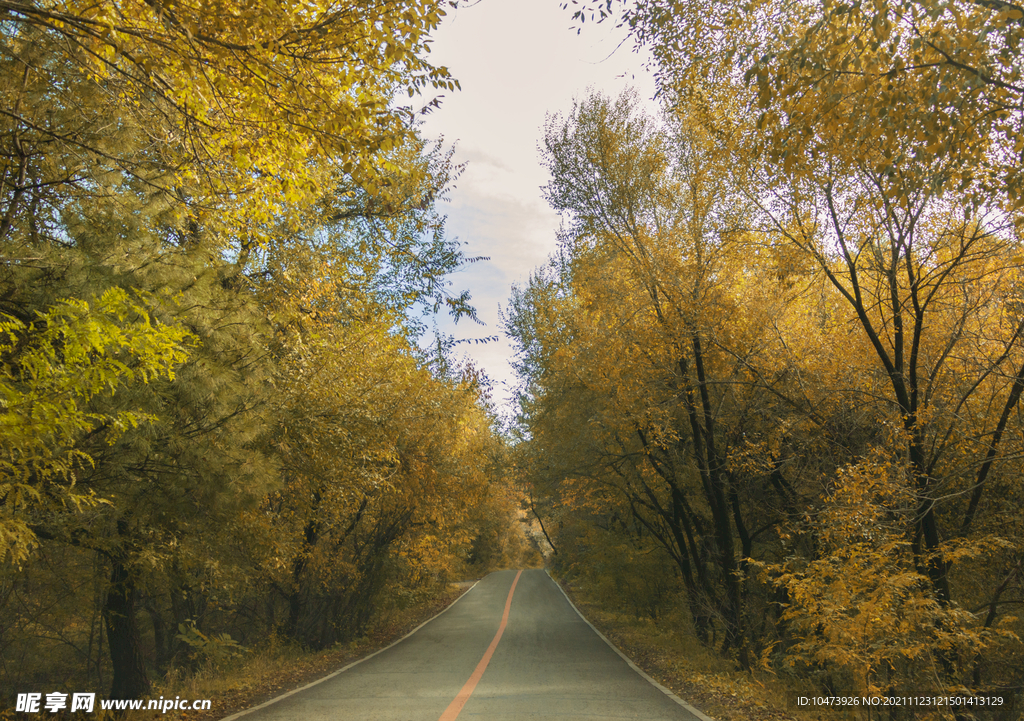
(221, 248)
(772, 376)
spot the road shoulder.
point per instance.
(724, 696)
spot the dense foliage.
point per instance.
(777, 360)
(217, 230)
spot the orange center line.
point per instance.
(455, 707)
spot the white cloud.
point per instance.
(516, 61)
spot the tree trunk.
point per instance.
(160, 638)
(119, 615)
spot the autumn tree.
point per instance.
(241, 112)
(640, 335)
(381, 461)
(162, 478)
(878, 145)
(866, 78)
(193, 206)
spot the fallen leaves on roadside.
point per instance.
(725, 696)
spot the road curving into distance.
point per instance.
(512, 648)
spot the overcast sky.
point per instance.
(516, 60)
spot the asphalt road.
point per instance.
(543, 661)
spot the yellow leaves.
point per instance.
(872, 314)
(848, 82)
(275, 82)
(788, 161)
(74, 351)
(862, 605)
(376, 444)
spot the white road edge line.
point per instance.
(329, 676)
(663, 689)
